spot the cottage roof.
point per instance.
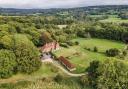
(66, 62)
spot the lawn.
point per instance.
(81, 57)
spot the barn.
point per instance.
(66, 63)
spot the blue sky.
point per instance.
(58, 3)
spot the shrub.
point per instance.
(124, 53)
(95, 49)
(58, 78)
(84, 80)
(112, 52)
(76, 43)
(64, 45)
(89, 49)
(70, 43)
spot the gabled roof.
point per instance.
(66, 62)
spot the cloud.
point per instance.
(57, 3)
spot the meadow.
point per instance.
(81, 57)
(46, 70)
(115, 19)
(110, 19)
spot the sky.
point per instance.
(58, 3)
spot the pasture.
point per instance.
(81, 57)
(114, 20)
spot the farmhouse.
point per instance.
(66, 63)
(48, 47)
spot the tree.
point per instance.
(77, 43)
(113, 74)
(6, 42)
(33, 35)
(124, 53)
(45, 38)
(95, 49)
(92, 72)
(7, 63)
(27, 56)
(112, 52)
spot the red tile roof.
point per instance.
(50, 46)
(66, 62)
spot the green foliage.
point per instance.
(125, 53)
(7, 63)
(95, 49)
(64, 45)
(112, 52)
(6, 42)
(85, 80)
(77, 43)
(83, 34)
(113, 74)
(59, 78)
(45, 38)
(110, 74)
(123, 15)
(92, 72)
(27, 56)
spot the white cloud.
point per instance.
(57, 3)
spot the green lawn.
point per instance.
(81, 57)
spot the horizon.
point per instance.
(47, 4)
(63, 8)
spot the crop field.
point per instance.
(81, 57)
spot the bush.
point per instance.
(59, 78)
(89, 49)
(70, 43)
(64, 45)
(112, 52)
(95, 49)
(76, 43)
(124, 53)
(84, 80)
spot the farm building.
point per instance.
(66, 63)
(48, 47)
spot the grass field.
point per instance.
(46, 70)
(42, 79)
(111, 18)
(81, 57)
(114, 20)
(47, 83)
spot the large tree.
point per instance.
(110, 74)
(7, 63)
(113, 74)
(27, 55)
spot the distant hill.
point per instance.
(89, 9)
